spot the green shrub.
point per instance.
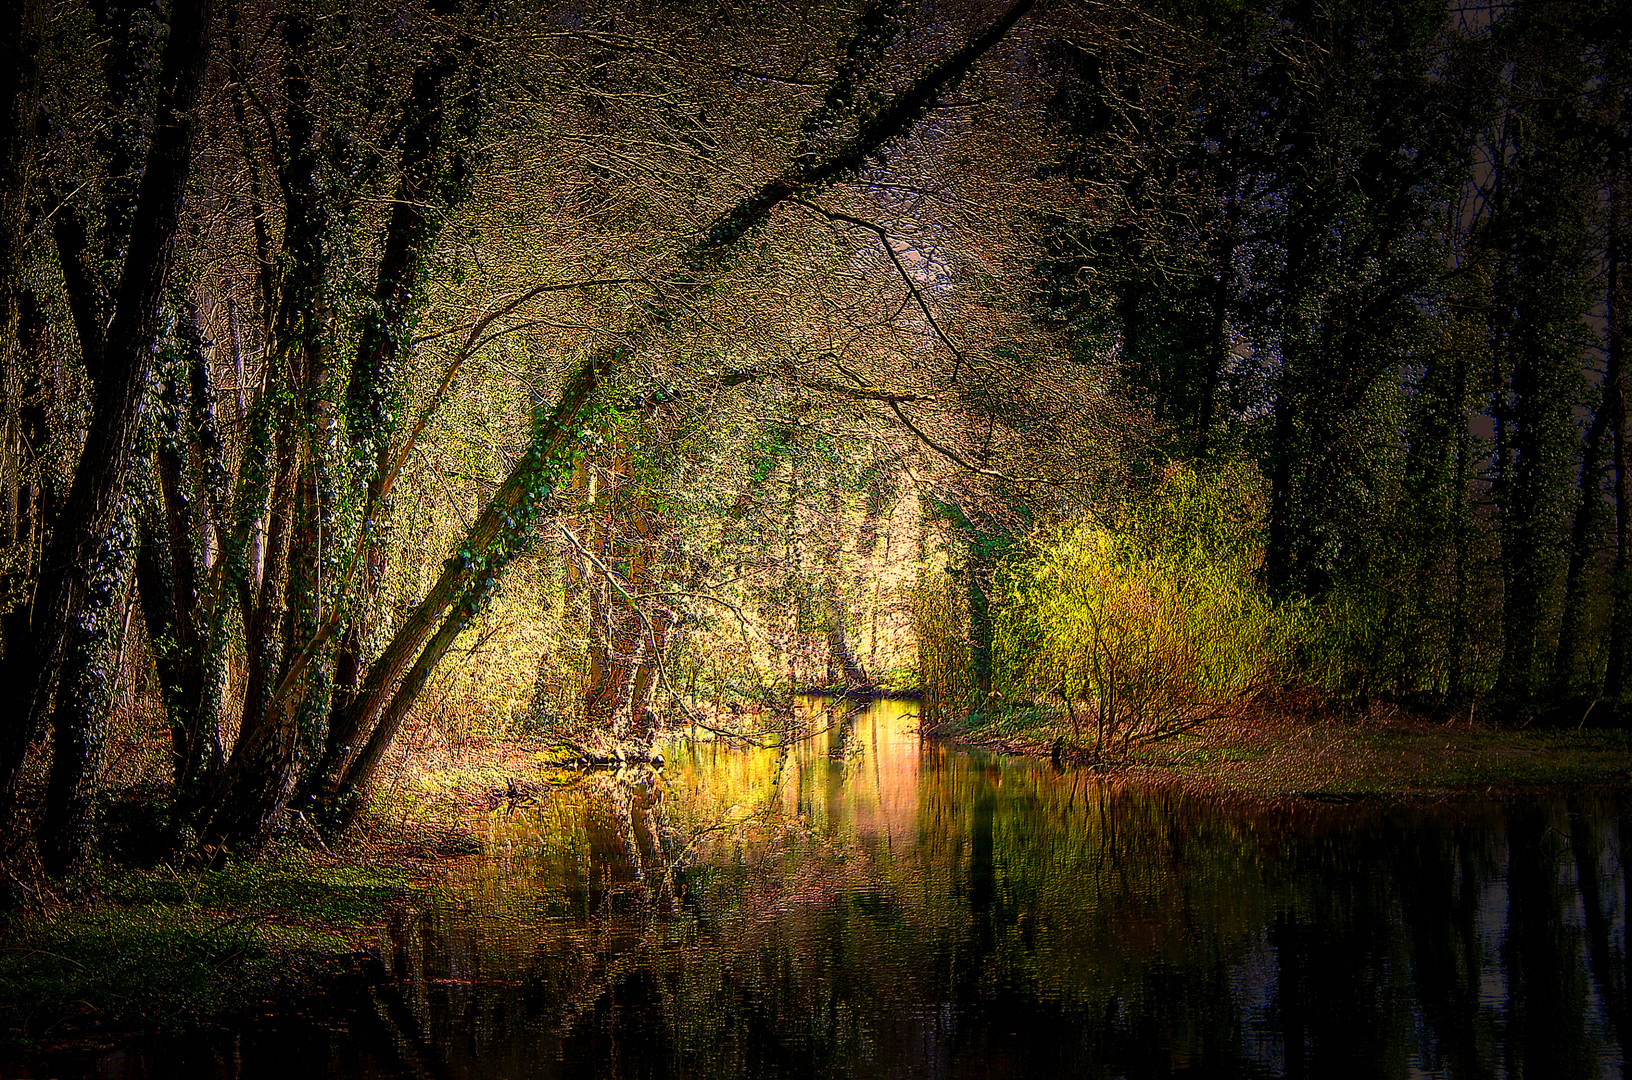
(1152, 624)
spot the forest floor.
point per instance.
(136, 944)
(1386, 753)
(172, 947)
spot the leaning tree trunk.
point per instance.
(394, 681)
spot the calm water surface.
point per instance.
(868, 905)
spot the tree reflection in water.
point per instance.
(861, 904)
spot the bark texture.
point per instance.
(69, 571)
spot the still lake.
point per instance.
(866, 903)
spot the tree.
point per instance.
(1543, 191)
(69, 577)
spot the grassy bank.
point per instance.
(1378, 755)
(168, 948)
(157, 947)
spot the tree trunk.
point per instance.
(84, 700)
(1457, 680)
(614, 633)
(21, 29)
(650, 624)
(169, 566)
(1617, 391)
(1224, 244)
(979, 572)
(254, 781)
(30, 498)
(23, 26)
(91, 506)
(395, 679)
(1572, 632)
(840, 655)
(1280, 553)
(629, 634)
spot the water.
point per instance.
(867, 905)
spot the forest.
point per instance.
(594, 370)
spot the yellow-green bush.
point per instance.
(1152, 623)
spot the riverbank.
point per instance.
(169, 949)
(1385, 754)
(126, 949)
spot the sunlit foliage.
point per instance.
(1155, 622)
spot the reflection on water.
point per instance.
(863, 904)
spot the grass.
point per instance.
(170, 949)
(127, 947)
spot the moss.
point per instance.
(172, 949)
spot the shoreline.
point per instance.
(1331, 758)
